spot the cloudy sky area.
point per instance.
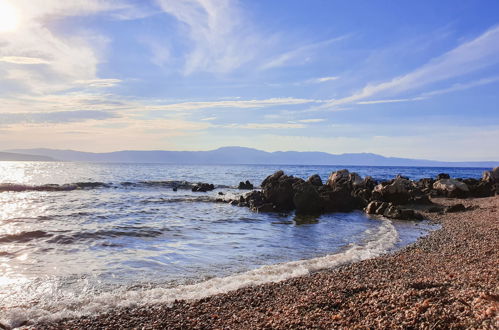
(417, 79)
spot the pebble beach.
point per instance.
(448, 279)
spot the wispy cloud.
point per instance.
(466, 58)
(221, 39)
(36, 58)
(7, 119)
(391, 100)
(98, 82)
(299, 55)
(23, 60)
(321, 80)
(234, 104)
(312, 120)
(267, 126)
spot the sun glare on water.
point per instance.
(9, 18)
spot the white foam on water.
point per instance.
(56, 305)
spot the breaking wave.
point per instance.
(49, 304)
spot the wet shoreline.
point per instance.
(447, 279)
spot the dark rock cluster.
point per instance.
(345, 191)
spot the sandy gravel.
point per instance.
(449, 279)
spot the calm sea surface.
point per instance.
(134, 240)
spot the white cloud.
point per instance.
(299, 55)
(234, 104)
(466, 58)
(391, 101)
(37, 58)
(23, 60)
(322, 80)
(267, 126)
(221, 37)
(98, 82)
(312, 120)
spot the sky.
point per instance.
(415, 79)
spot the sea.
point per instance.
(82, 238)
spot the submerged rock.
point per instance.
(203, 187)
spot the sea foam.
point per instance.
(57, 304)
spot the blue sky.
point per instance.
(415, 79)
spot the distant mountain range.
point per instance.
(9, 156)
(237, 155)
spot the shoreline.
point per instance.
(445, 279)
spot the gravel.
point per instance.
(448, 279)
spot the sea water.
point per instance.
(80, 238)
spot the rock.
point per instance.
(306, 199)
(278, 190)
(425, 185)
(369, 183)
(234, 202)
(397, 192)
(423, 199)
(245, 185)
(255, 199)
(221, 193)
(381, 209)
(273, 177)
(455, 208)
(395, 212)
(203, 187)
(436, 209)
(491, 176)
(315, 180)
(392, 212)
(451, 188)
(267, 207)
(372, 207)
(443, 176)
(343, 179)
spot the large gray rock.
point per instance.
(451, 188)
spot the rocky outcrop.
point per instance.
(345, 191)
(451, 188)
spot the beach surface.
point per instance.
(448, 279)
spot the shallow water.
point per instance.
(132, 239)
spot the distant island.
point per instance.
(233, 156)
(16, 157)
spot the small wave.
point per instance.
(188, 199)
(65, 304)
(103, 234)
(24, 236)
